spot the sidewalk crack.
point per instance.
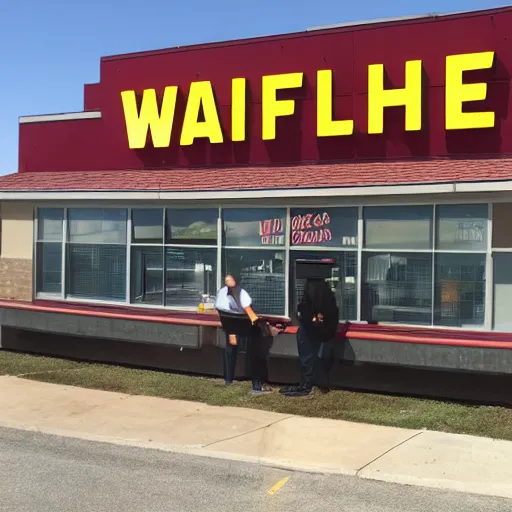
(389, 451)
(248, 432)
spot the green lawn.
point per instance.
(395, 411)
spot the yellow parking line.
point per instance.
(278, 485)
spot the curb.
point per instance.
(200, 451)
(196, 450)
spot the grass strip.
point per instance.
(395, 411)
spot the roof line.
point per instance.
(197, 195)
(67, 116)
(256, 39)
(376, 21)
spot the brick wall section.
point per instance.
(15, 279)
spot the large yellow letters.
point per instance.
(159, 123)
(409, 96)
(325, 125)
(238, 106)
(201, 94)
(271, 107)
(458, 93)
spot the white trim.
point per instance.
(64, 254)
(359, 249)
(69, 116)
(433, 268)
(372, 21)
(413, 17)
(128, 270)
(92, 195)
(255, 247)
(326, 248)
(287, 244)
(484, 186)
(489, 274)
(220, 237)
(35, 233)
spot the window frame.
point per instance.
(37, 241)
(308, 203)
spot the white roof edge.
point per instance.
(385, 190)
(69, 116)
(362, 191)
(386, 20)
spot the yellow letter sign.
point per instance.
(159, 123)
(458, 93)
(201, 93)
(409, 96)
(271, 107)
(238, 88)
(325, 125)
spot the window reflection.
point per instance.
(190, 276)
(343, 280)
(254, 227)
(397, 287)
(460, 290)
(191, 227)
(262, 275)
(147, 278)
(147, 226)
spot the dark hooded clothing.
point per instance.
(318, 301)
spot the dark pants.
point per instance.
(257, 349)
(315, 360)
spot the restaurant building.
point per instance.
(383, 145)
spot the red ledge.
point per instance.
(396, 334)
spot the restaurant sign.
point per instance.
(202, 120)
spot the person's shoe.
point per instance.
(298, 391)
(288, 389)
(228, 382)
(260, 392)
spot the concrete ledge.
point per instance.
(105, 328)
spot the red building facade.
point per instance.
(385, 145)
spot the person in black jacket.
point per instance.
(318, 316)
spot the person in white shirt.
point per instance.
(233, 299)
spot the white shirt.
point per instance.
(225, 302)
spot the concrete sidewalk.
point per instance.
(430, 459)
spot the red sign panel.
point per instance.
(348, 53)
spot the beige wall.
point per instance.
(16, 251)
(17, 230)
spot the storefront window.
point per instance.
(147, 226)
(502, 291)
(173, 258)
(461, 227)
(147, 275)
(49, 251)
(336, 227)
(460, 290)
(397, 287)
(398, 227)
(96, 254)
(254, 227)
(191, 227)
(262, 274)
(343, 280)
(190, 276)
(98, 226)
